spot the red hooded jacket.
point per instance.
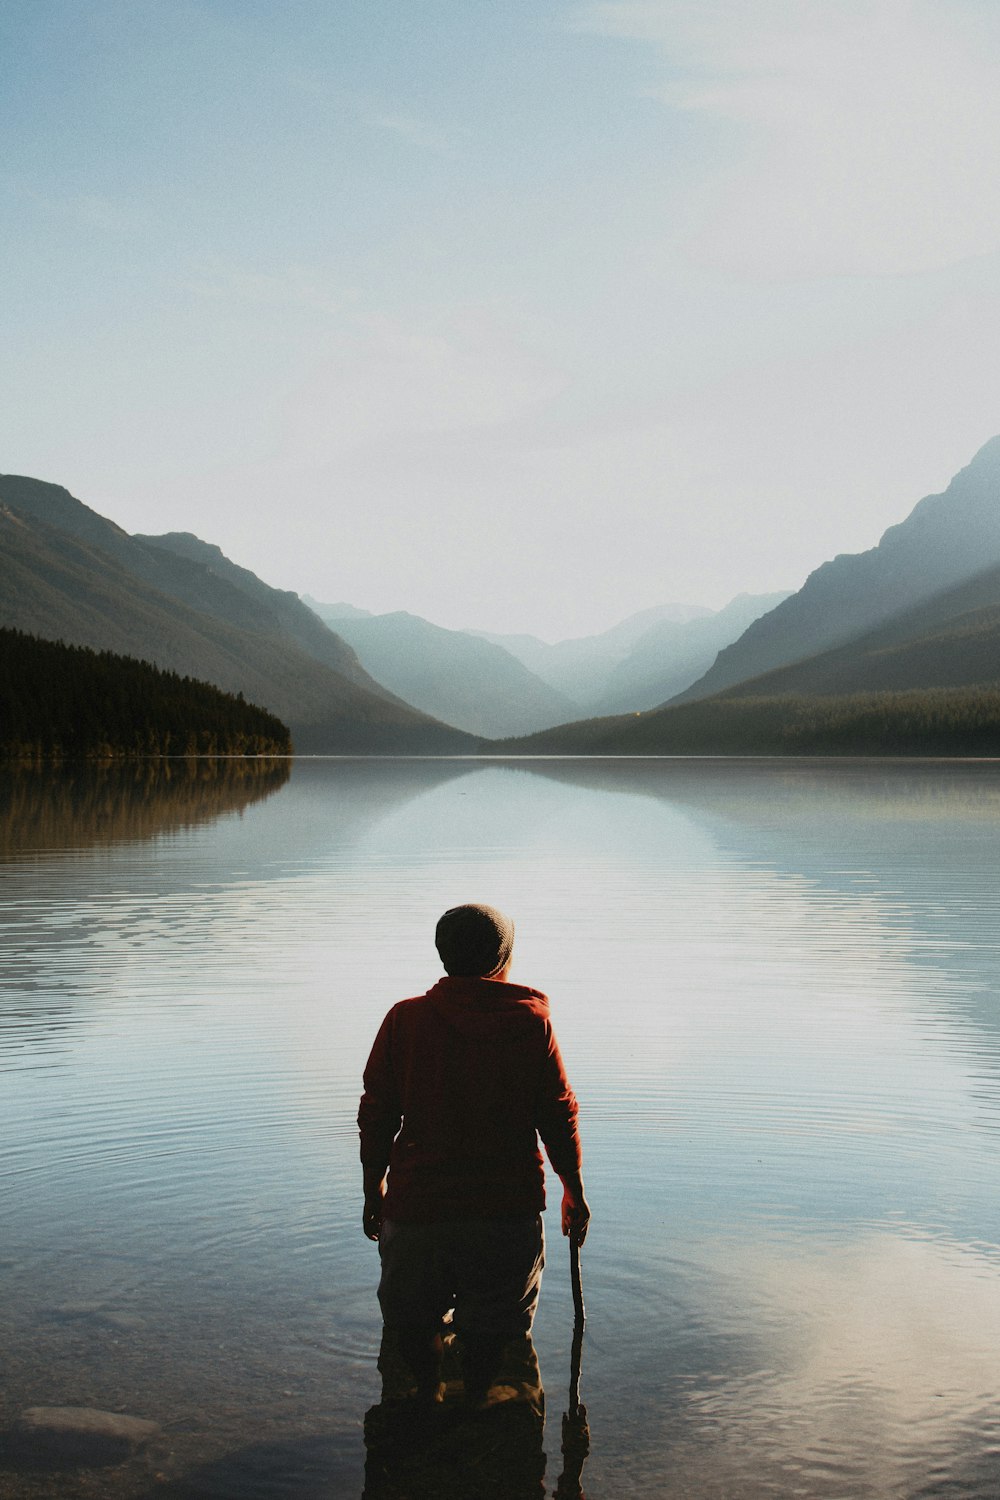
(460, 1084)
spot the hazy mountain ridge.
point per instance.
(945, 538)
(283, 610)
(579, 667)
(950, 640)
(493, 690)
(927, 678)
(87, 582)
(329, 613)
(454, 675)
(198, 574)
(672, 655)
(170, 576)
(898, 631)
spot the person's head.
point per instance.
(475, 942)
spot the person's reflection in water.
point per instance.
(454, 1450)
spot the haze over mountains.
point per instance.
(67, 573)
(919, 612)
(457, 677)
(496, 685)
(580, 667)
(950, 640)
(945, 538)
(674, 654)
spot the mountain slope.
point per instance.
(674, 654)
(579, 668)
(945, 538)
(927, 681)
(194, 572)
(468, 682)
(962, 721)
(330, 614)
(60, 582)
(212, 576)
(950, 640)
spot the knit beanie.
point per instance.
(474, 941)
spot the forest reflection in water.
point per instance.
(78, 806)
(775, 985)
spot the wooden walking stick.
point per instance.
(579, 1311)
(579, 1323)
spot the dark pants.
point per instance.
(488, 1270)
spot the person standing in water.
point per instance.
(460, 1085)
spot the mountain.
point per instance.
(212, 580)
(673, 654)
(923, 678)
(926, 682)
(189, 570)
(457, 677)
(330, 613)
(950, 640)
(579, 668)
(946, 538)
(962, 721)
(68, 573)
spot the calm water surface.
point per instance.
(775, 987)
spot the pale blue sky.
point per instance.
(519, 315)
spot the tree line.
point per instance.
(921, 721)
(65, 703)
(963, 721)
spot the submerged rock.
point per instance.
(88, 1419)
(80, 1434)
(98, 1314)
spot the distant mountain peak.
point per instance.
(188, 539)
(55, 506)
(988, 453)
(338, 611)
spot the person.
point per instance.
(461, 1083)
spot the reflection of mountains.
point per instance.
(897, 831)
(75, 808)
(335, 804)
(767, 794)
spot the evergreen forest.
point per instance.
(925, 721)
(67, 703)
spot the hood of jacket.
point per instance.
(488, 1007)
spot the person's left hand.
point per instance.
(371, 1219)
(575, 1215)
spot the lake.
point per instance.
(775, 986)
